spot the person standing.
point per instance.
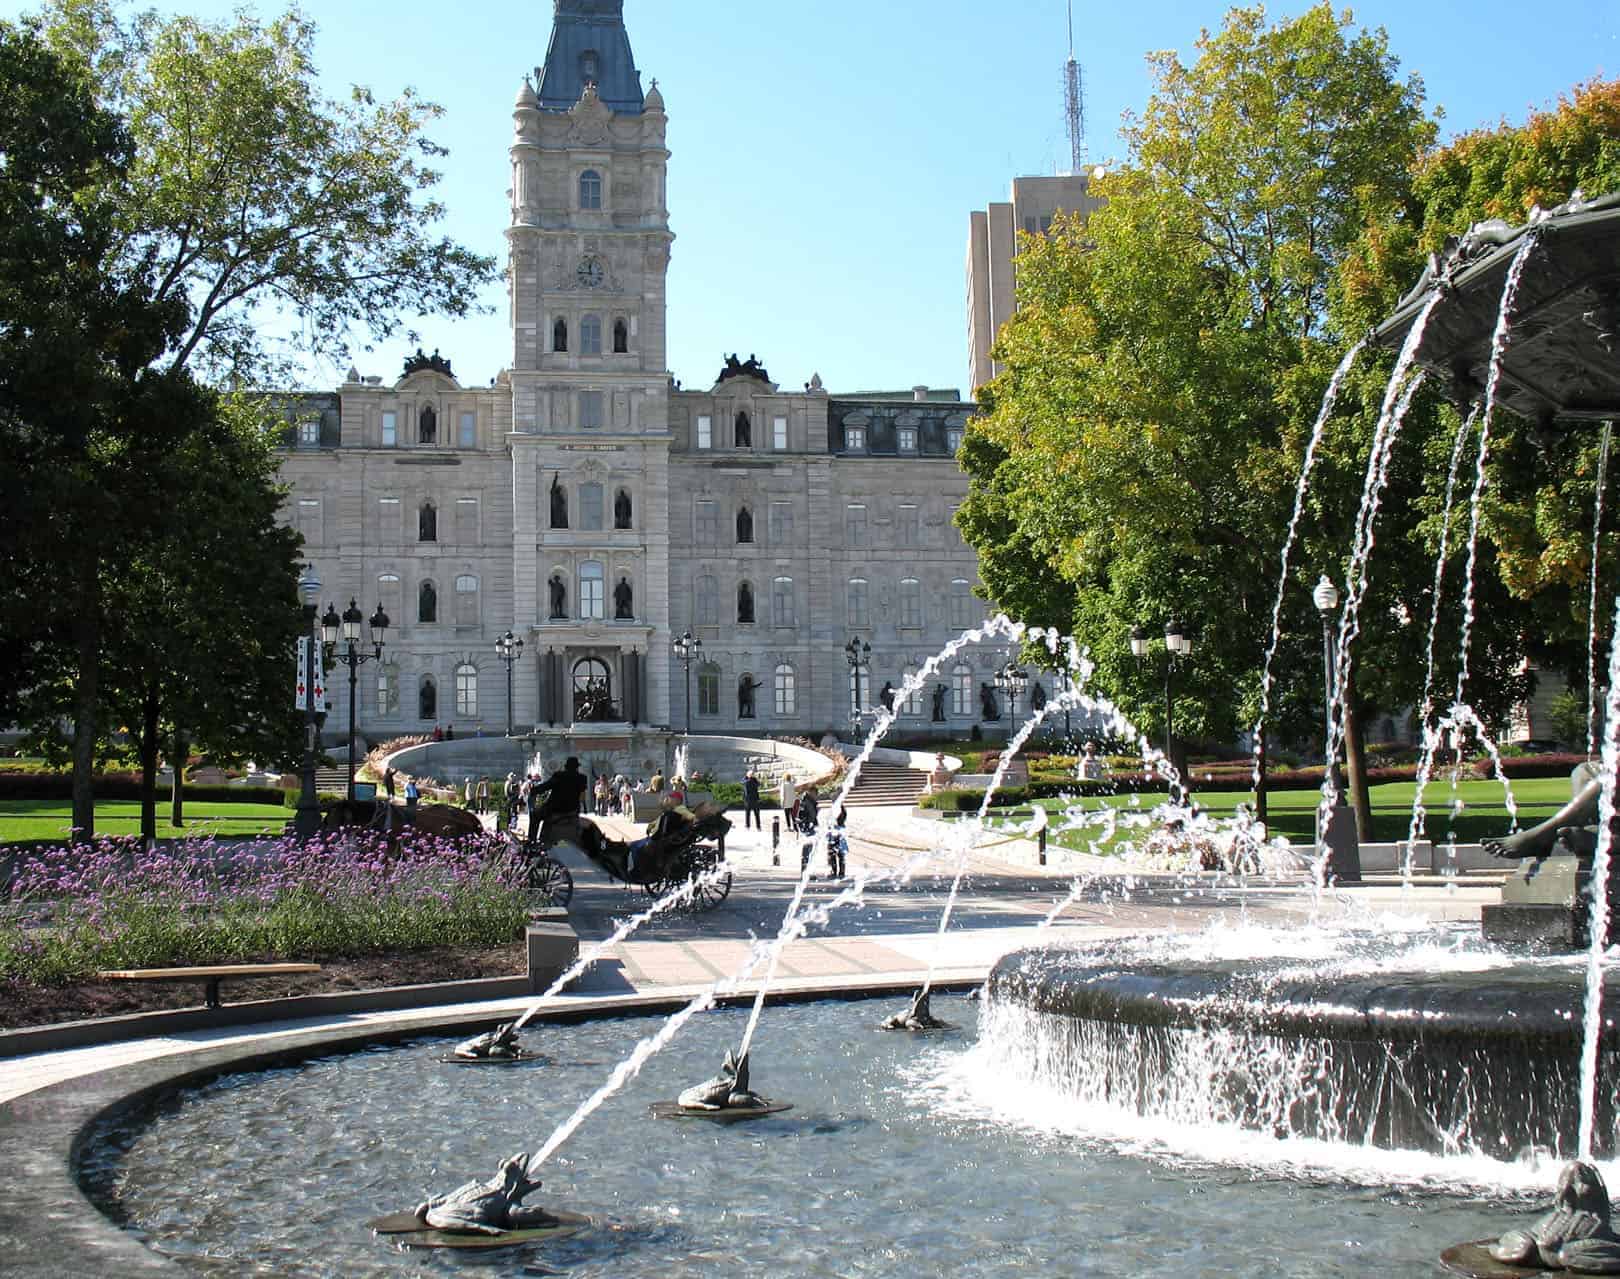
(483, 795)
(656, 784)
(388, 783)
(751, 815)
(790, 801)
(412, 795)
(807, 815)
(509, 796)
(467, 793)
(838, 845)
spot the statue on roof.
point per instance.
(751, 367)
(416, 363)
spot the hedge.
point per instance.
(128, 786)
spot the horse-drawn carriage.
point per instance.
(682, 851)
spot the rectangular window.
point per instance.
(911, 604)
(390, 428)
(387, 691)
(708, 682)
(787, 701)
(854, 439)
(708, 522)
(705, 432)
(309, 520)
(855, 524)
(590, 506)
(779, 434)
(907, 436)
(590, 410)
(467, 434)
(780, 523)
(782, 601)
(591, 591)
(708, 601)
(466, 603)
(467, 692)
(858, 612)
(309, 433)
(961, 605)
(909, 525)
(466, 521)
(953, 438)
(388, 509)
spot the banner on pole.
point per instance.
(320, 683)
(300, 689)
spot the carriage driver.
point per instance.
(674, 817)
(564, 791)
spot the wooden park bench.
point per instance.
(210, 974)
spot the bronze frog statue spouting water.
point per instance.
(490, 1207)
(728, 1089)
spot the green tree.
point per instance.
(1161, 375)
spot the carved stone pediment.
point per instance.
(590, 120)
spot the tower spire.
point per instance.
(1074, 104)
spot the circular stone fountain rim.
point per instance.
(48, 1227)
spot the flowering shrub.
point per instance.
(117, 904)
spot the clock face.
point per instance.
(590, 273)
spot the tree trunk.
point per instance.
(1260, 755)
(1355, 763)
(177, 798)
(86, 696)
(149, 764)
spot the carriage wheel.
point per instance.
(712, 892)
(546, 875)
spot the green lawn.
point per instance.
(52, 819)
(1293, 812)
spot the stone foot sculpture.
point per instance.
(1573, 1235)
(488, 1207)
(496, 1044)
(1538, 841)
(917, 1017)
(728, 1089)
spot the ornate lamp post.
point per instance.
(351, 656)
(858, 653)
(1012, 680)
(1176, 644)
(307, 817)
(1063, 681)
(686, 648)
(509, 648)
(1335, 826)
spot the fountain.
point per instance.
(1436, 1043)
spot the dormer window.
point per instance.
(590, 189)
(855, 439)
(588, 66)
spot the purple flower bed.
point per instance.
(117, 904)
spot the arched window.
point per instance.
(708, 682)
(388, 595)
(590, 189)
(427, 603)
(621, 509)
(961, 604)
(708, 601)
(427, 699)
(466, 691)
(427, 523)
(912, 705)
(962, 689)
(593, 690)
(745, 604)
(621, 337)
(592, 589)
(911, 603)
(427, 425)
(559, 335)
(745, 525)
(742, 431)
(466, 600)
(856, 597)
(782, 601)
(590, 335)
(787, 697)
(387, 690)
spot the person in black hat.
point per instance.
(564, 791)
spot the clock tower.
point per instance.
(588, 250)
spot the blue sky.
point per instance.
(826, 155)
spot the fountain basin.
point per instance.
(1358, 1038)
(888, 1166)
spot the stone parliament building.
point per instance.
(591, 506)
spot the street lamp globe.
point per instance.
(1174, 640)
(1139, 641)
(379, 626)
(352, 618)
(329, 625)
(309, 587)
(1326, 595)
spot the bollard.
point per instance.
(776, 840)
(1042, 845)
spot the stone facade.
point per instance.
(588, 504)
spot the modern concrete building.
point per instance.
(992, 252)
(585, 502)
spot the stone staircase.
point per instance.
(886, 784)
(331, 781)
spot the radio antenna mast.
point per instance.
(1074, 104)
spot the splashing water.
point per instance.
(1329, 399)
(1597, 923)
(1592, 599)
